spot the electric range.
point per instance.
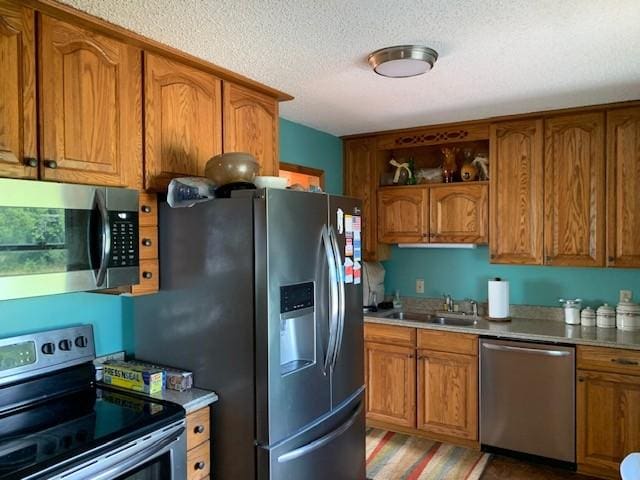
(55, 423)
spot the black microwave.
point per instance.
(57, 238)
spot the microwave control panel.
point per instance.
(124, 239)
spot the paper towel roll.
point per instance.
(498, 299)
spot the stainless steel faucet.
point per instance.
(448, 303)
(474, 307)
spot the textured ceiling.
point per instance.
(496, 57)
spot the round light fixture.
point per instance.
(403, 60)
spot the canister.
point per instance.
(606, 316)
(628, 316)
(588, 317)
(571, 310)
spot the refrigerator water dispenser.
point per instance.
(297, 327)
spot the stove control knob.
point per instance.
(65, 345)
(48, 348)
(81, 341)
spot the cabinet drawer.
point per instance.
(149, 278)
(148, 210)
(148, 243)
(198, 427)
(609, 360)
(199, 462)
(448, 341)
(390, 334)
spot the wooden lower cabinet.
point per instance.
(448, 394)
(422, 382)
(198, 444)
(391, 383)
(608, 410)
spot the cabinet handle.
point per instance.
(624, 361)
(147, 275)
(30, 162)
(199, 465)
(199, 429)
(146, 242)
(145, 209)
(51, 164)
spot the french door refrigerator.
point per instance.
(260, 299)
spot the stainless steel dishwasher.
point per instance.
(527, 398)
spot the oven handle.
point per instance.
(113, 464)
(106, 237)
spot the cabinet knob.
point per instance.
(199, 429)
(199, 465)
(410, 356)
(581, 379)
(30, 162)
(147, 275)
(146, 242)
(624, 361)
(51, 164)
(145, 209)
(611, 259)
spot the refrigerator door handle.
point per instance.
(322, 441)
(341, 295)
(333, 300)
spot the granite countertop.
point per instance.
(526, 329)
(191, 400)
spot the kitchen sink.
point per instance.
(433, 319)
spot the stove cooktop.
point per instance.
(54, 431)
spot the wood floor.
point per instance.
(502, 468)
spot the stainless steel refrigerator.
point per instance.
(256, 300)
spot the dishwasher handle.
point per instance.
(534, 351)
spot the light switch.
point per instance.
(419, 285)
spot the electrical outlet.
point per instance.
(419, 285)
(626, 295)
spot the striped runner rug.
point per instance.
(393, 456)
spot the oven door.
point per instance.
(160, 455)
(57, 238)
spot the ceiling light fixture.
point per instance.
(403, 60)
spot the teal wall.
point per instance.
(312, 148)
(464, 273)
(109, 315)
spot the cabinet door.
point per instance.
(623, 187)
(608, 419)
(18, 156)
(516, 192)
(91, 110)
(251, 125)
(459, 213)
(182, 118)
(574, 190)
(360, 181)
(448, 394)
(403, 215)
(391, 384)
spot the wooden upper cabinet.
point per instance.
(403, 215)
(18, 155)
(623, 187)
(390, 372)
(516, 192)
(448, 394)
(574, 190)
(91, 110)
(459, 213)
(251, 125)
(361, 181)
(182, 118)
